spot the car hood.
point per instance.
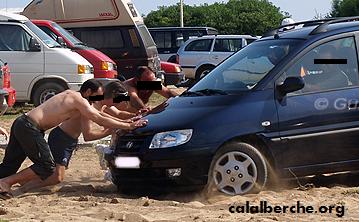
(184, 112)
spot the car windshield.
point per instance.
(67, 35)
(42, 35)
(243, 70)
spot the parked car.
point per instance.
(104, 67)
(7, 93)
(169, 39)
(40, 67)
(199, 56)
(173, 74)
(277, 107)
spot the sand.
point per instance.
(86, 196)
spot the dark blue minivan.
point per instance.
(287, 104)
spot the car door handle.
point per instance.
(215, 57)
(352, 106)
(166, 51)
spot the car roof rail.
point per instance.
(324, 27)
(304, 23)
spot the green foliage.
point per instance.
(234, 17)
(342, 8)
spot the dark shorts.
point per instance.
(62, 146)
(27, 140)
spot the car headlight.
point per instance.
(84, 69)
(171, 138)
(108, 66)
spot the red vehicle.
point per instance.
(104, 67)
(173, 73)
(7, 93)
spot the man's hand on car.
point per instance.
(138, 123)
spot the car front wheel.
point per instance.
(237, 169)
(46, 91)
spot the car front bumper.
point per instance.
(155, 167)
(174, 78)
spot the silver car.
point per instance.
(199, 56)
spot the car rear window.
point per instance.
(203, 45)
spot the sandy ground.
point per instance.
(85, 196)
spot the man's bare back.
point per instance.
(57, 109)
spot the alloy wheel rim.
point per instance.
(235, 173)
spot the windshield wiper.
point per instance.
(212, 92)
(190, 93)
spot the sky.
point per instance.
(299, 9)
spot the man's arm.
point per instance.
(165, 92)
(91, 113)
(113, 111)
(91, 134)
(136, 101)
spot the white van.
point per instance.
(40, 67)
(112, 26)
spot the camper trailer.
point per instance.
(112, 26)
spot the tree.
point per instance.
(342, 8)
(234, 17)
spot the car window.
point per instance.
(227, 45)
(162, 39)
(49, 32)
(203, 45)
(321, 70)
(14, 38)
(243, 70)
(102, 39)
(249, 41)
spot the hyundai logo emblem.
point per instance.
(129, 145)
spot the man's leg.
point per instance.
(14, 155)
(35, 183)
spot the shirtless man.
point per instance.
(139, 98)
(27, 137)
(63, 139)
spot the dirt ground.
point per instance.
(86, 196)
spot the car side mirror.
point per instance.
(290, 84)
(34, 45)
(61, 41)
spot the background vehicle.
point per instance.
(7, 93)
(280, 106)
(40, 67)
(173, 73)
(112, 26)
(169, 39)
(200, 55)
(104, 67)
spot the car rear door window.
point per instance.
(14, 38)
(321, 69)
(227, 45)
(203, 45)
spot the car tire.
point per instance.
(46, 91)
(237, 169)
(203, 71)
(172, 59)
